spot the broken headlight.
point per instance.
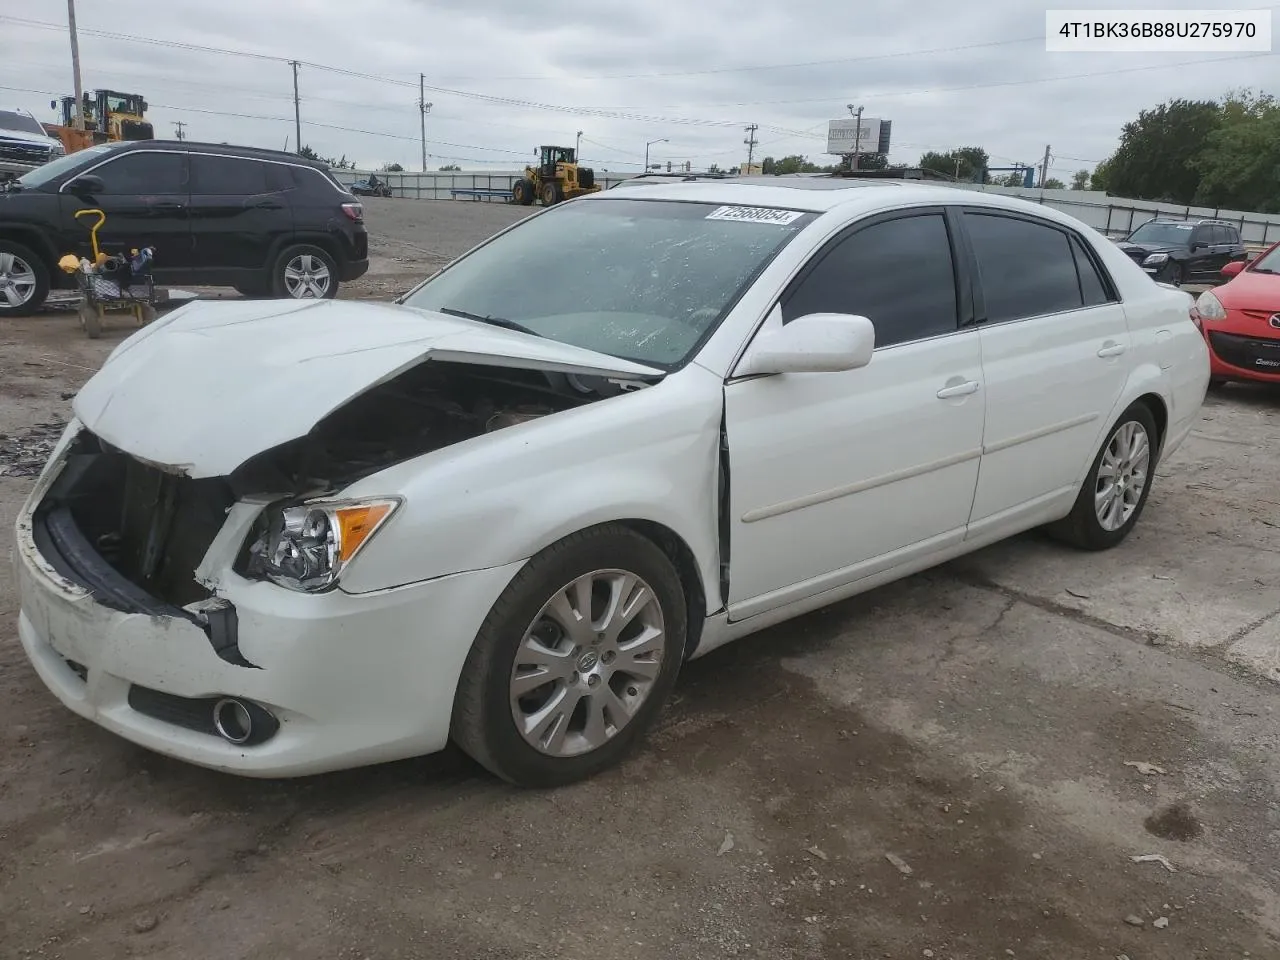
(306, 546)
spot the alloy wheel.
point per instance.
(587, 663)
(17, 280)
(306, 277)
(1122, 475)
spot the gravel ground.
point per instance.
(955, 766)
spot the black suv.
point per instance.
(265, 222)
(1184, 251)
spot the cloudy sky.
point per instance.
(505, 76)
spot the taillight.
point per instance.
(354, 211)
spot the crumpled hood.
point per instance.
(212, 384)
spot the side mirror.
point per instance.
(814, 343)
(86, 186)
(1232, 269)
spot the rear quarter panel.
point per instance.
(1170, 358)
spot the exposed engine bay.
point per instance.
(153, 526)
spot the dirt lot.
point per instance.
(943, 768)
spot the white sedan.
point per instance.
(280, 538)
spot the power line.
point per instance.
(889, 94)
(328, 126)
(746, 68)
(752, 68)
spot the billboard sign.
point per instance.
(844, 136)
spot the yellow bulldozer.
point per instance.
(556, 177)
(108, 116)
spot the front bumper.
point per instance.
(1237, 356)
(352, 679)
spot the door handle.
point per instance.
(267, 205)
(1110, 349)
(958, 390)
(166, 206)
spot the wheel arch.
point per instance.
(33, 239)
(685, 561)
(304, 239)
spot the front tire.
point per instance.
(24, 280)
(305, 272)
(574, 661)
(522, 192)
(1113, 496)
(1173, 274)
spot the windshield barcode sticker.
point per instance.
(755, 215)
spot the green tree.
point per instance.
(450, 166)
(1080, 180)
(1101, 176)
(392, 168)
(1155, 160)
(964, 163)
(1239, 166)
(1053, 183)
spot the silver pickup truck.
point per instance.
(24, 145)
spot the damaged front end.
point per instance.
(137, 535)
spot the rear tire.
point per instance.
(24, 278)
(532, 687)
(1106, 508)
(305, 272)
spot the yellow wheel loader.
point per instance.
(557, 177)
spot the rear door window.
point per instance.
(227, 176)
(1027, 269)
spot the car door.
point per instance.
(1224, 247)
(144, 197)
(238, 210)
(1055, 351)
(1204, 253)
(837, 476)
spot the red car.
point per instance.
(1240, 320)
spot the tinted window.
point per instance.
(1026, 268)
(144, 174)
(1178, 234)
(227, 176)
(1233, 235)
(1091, 285)
(897, 273)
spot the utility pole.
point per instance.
(423, 109)
(178, 126)
(297, 110)
(75, 63)
(577, 148)
(751, 145)
(1044, 167)
(857, 138)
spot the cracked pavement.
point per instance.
(986, 724)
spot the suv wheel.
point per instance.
(24, 280)
(305, 272)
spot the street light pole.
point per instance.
(646, 151)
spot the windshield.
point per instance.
(16, 121)
(50, 171)
(644, 280)
(1175, 234)
(1269, 262)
